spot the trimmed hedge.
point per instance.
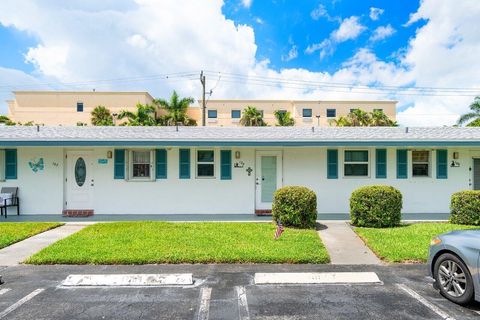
(295, 206)
(465, 207)
(376, 207)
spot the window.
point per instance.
(331, 113)
(212, 114)
(307, 113)
(141, 164)
(356, 163)
(282, 111)
(205, 163)
(79, 106)
(420, 163)
(378, 110)
(236, 114)
(352, 110)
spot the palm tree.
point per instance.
(144, 116)
(342, 121)
(251, 117)
(359, 118)
(380, 119)
(101, 116)
(284, 118)
(6, 121)
(176, 111)
(472, 118)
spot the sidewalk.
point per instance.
(344, 246)
(20, 251)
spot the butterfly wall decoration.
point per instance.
(36, 165)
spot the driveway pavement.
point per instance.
(225, 292)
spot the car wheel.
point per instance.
(453, 279)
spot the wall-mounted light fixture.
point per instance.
(456, 155)
(109, 154)
(237, 154)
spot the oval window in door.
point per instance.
(80, 171)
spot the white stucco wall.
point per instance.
(43, 192)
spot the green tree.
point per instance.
(359, 118)
(251, 117)
(472, 119)
(144, 116)
(101, 116)
(6, 121)
(284, 119)
(380, 119)
(341, 121)
(176, 111)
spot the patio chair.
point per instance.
(9, 201)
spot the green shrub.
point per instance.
(465, 207)
(376, 207)
(295, 206)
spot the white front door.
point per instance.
(268, 177)
(79, 183)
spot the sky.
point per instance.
(423, 54)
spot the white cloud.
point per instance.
(375, 13)
(292, 54)
(321, 12)
(382, 33)
(92, 40)
(247, 3)
(349, 29)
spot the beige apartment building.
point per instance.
(306, 113)
(73, 107)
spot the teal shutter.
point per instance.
(381, 163)
(161, 164)
(119, 164)
(442, 164)
(226, 165)
(332, 164)
(184, 157)
(402, 164)
(11, 164)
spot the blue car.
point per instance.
(454, 263)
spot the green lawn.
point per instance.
(11, 232)
(408, 243)
(163, 242)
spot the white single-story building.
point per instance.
(215, 170)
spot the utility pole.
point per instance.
(204, 104)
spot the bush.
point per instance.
(295, 206)
(465, 207)
(376, 206)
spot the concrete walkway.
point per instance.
(344, 246)
(20, 251)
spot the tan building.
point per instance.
(305, 113)
(72, 107)
(69, 107)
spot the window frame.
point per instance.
(345, 163)
(205, 162)
(79, 103)
(130, 176)
(303, 113)
(334, 112)
(428, 163)
(239, 113)
(212, 110)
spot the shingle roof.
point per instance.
(9, 135)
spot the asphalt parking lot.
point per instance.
(225, 292)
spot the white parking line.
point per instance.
(20, 302)
(424, 301)
(3, 291)
(95, 280)
(243, 313)
(203, 310)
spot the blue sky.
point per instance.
(58, 45)
(280, 25)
